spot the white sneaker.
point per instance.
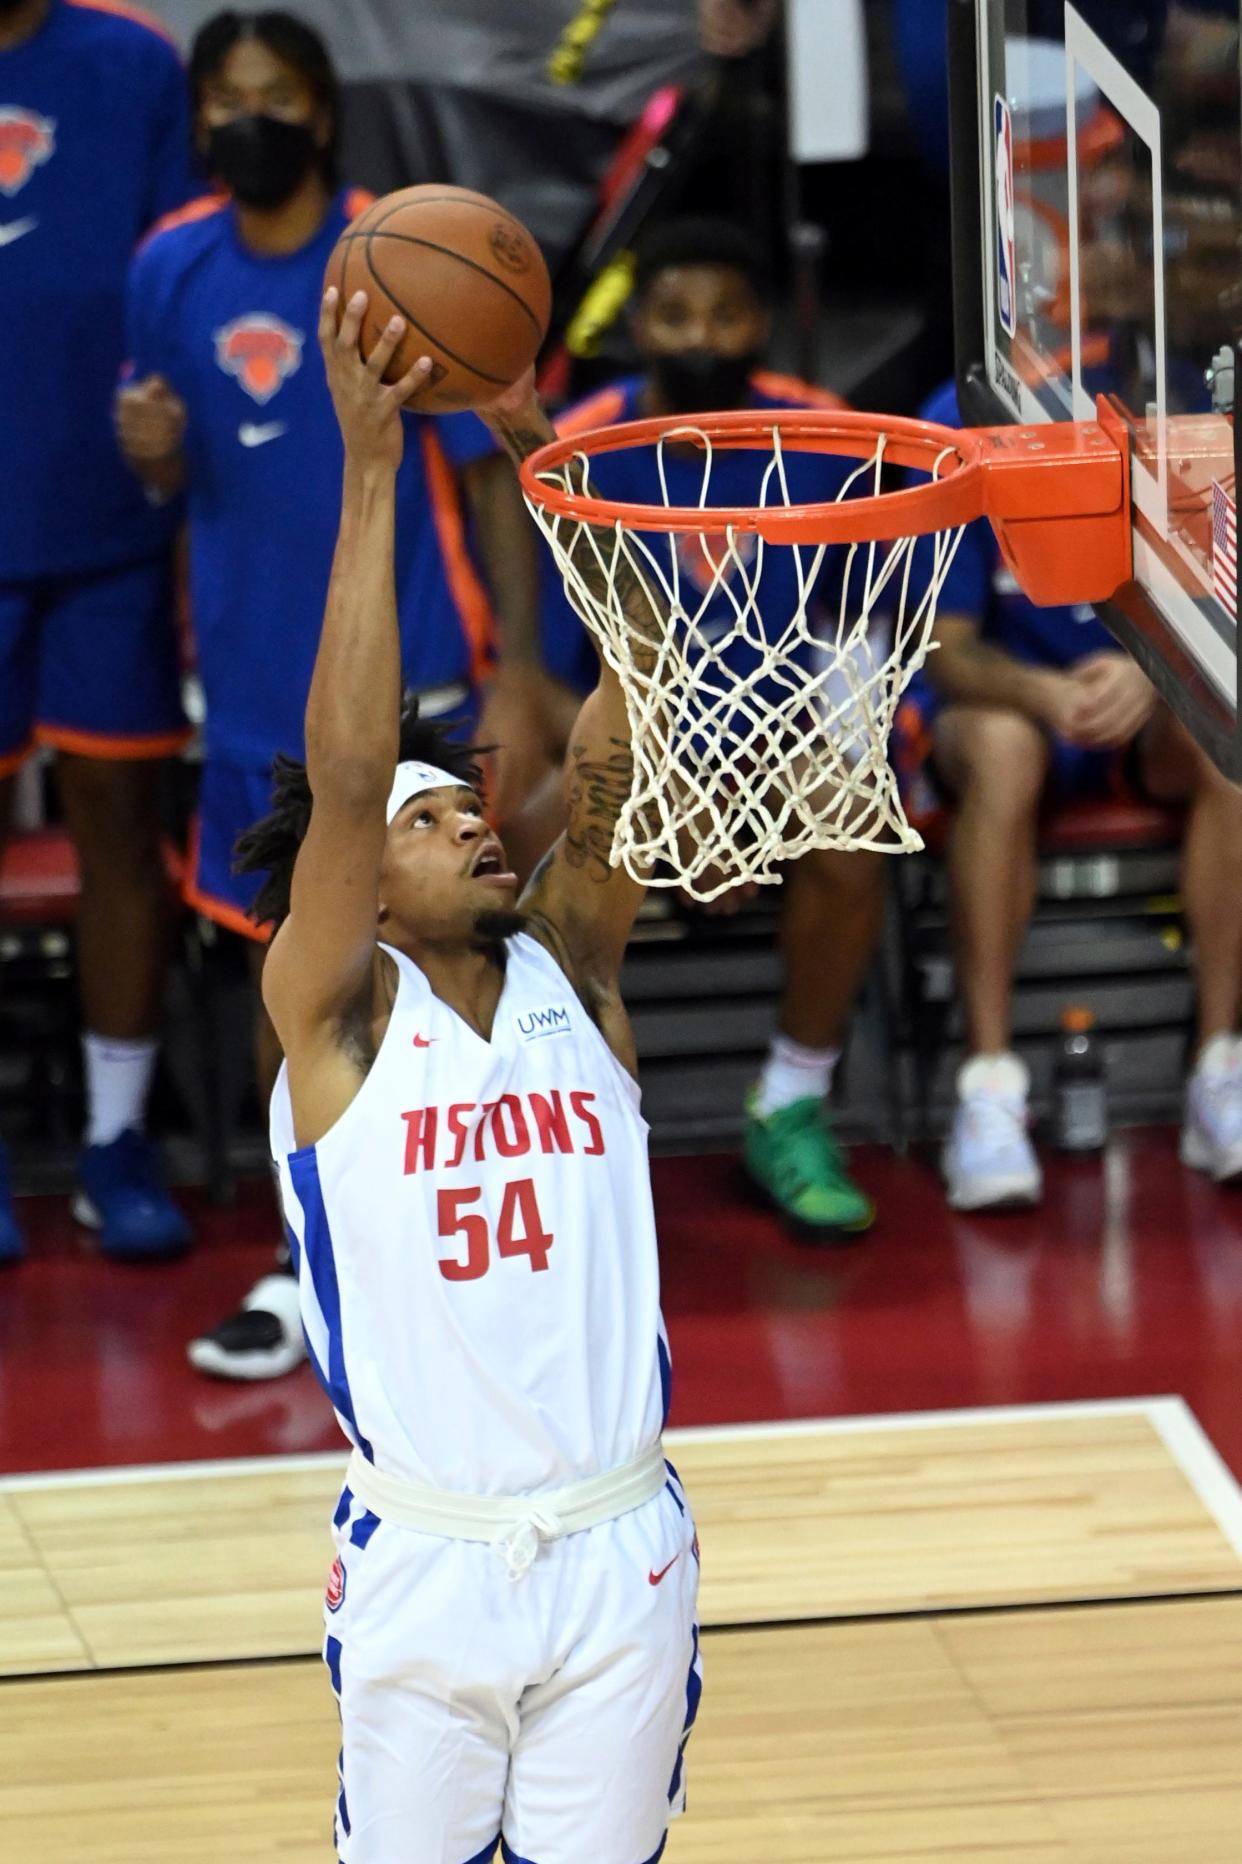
(1212, 1127)
(263, 1341)
(988, 1159)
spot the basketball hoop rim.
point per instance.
(953, 498)
(1026, 480)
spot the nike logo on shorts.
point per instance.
(423, 1041)
(653, 1579)
(16, 228)
(258, 433)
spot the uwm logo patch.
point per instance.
(261, 351)
(533, 1025)
(335, 1594)
(26, 142)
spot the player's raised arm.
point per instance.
(321, 959)
(590, 904)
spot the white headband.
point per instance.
(412, 778)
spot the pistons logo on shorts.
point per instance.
(334, 1598)
(261, 351)
(26, 142)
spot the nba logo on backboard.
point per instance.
(1006, 262)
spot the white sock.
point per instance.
(791, 1073)
(118, 1080)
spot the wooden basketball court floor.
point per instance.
(975, 1636)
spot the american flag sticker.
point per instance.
(1224, 547)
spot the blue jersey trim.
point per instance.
(304, 1172)
(694, 1695)
(666, 1376)
(295, 1248)
(484, 1856)
(332, 1657)
(342, 1804)
(360, 1533)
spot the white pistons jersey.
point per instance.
(476, 1248)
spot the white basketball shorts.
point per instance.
(546, 1715)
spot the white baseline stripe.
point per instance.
(707, 1433)
(917, 1420)
(1202, 1465)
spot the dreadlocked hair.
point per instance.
(271, 846)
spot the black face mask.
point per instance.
(261, 160)
(698, 381)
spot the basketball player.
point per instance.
(510, 1620)
(700, 322)
(228, 404)
(93, 148)
(1020, 703)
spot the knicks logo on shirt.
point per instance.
(26, 142)
(706, 562)
(261, 351)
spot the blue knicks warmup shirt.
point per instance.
(234, 332)
(633, 476)
(94, 146)
(981, 586)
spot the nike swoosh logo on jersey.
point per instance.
(16, 228)
(256, 434)
(653, 1578)
(423, 1041)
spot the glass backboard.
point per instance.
(1097, 159)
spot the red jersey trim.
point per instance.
(602, 409)
(793, 388)
(12, 761)
(121, 11)
(468, 593)
(198, 209)
(111, 747)
(220, 912)
(607, 405)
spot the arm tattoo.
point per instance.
(598, 792)
(519, 442)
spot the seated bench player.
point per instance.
(700, 321)
(1020, 705)
(228, 403)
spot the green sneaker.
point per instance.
(794, 1158)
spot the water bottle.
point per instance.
(1080, 1112)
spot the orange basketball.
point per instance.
(467, 277)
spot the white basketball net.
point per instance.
(740, 768)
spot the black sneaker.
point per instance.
(262, 1341)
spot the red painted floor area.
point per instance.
(1128, 1282)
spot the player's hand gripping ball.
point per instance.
(467, 277)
